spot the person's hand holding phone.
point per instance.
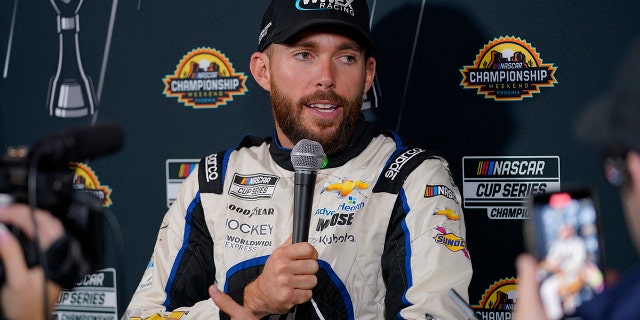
(528, 306)
(563, 238)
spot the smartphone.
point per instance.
(563, 232)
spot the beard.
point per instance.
(288, 116)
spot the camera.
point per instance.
(41, 177)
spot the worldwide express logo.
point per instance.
(507, 69)
(205, 78)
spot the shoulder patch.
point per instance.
(211, 173)
(399, 166)
(213, 167)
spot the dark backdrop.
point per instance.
(127, 48)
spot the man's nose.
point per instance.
(326, 75)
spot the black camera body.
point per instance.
(42, 177)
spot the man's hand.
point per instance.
(287, 279)
(230, 307)
(529, 306)
(21, 296)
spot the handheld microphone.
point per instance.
(80, 143)
(307, 158)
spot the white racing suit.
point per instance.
(386, 220)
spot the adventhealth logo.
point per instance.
(340, 5)
(351, 205)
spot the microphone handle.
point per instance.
(302, 199)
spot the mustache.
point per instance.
(324, 95)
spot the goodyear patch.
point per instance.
(205, 78)
(507, 69)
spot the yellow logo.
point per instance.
(449, 213)
(451, 241)
(345, 187)
(508, 69)
(85, 180)
(172, 316)
(205, 78)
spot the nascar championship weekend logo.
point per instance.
(205, 78)
(508, 69)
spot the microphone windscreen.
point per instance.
(81, 143)
(307, 155)
(99, 140)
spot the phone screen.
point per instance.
(564, 235)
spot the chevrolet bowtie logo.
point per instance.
(345, 187)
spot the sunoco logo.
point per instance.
(508, 68)
(451, 241)
(204, 78)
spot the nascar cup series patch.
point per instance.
(508, 69)
(205, 78)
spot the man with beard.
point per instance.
(378, 247)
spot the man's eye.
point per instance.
(303, 55)
(349, 59)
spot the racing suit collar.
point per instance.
(362, 135)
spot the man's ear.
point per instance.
(633, 166)
(259, 65)
(370, 73)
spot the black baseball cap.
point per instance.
(614, 118)
(285, 18)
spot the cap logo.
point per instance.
(264, 32)
(339, 5)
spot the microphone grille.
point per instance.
(307, 155)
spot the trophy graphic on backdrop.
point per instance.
(71, 93)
